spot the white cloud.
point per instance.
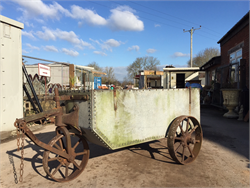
(24, 51)
(112, 43)
(28, 34)
(32, 47)
(150, 51)
(46, 35)
(86, 15)
(40, 21)
(135, 47)
(95, 41)
(1, 8)
(157, 25)
(86, 44)
(54, 11)
(31, 9)
(50, 48)
(108, 44)
(123, 18)
(70, 52)
(100, 53)
(68, 36)
(179, 54)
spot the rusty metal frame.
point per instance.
(61, 121)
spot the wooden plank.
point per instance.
(149, 72)
(159, 72)
(97, 72)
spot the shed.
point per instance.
(175, 77)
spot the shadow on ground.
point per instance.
(152, 148)
(229, 133)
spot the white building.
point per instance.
(177, 77)
(62, 73)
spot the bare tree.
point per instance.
(96, 66)
(142, 63)
(110, 77)
(204, 56)
(126, 81)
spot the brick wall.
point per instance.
(241, 36)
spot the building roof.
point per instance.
(235, 29)
(213, 61)
(9, 21)
(182, 69)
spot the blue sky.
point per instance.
(115, 33)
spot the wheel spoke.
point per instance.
(76, 144)
(58, 147)
(183, 154)
(61, 143)
(77, 166)
(177, 139)
(177, 148)
(57, 168)
(181, 129)
(81, 153)
(190, 151)
(67, 170)
(193, 129)
(187, 125)
(53, 159)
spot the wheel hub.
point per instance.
(186, 139)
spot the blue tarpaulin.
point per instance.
(193, 85)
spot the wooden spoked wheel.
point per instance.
(61, 169)
(184, 139)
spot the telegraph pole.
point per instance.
(191, 31)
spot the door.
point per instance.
(97, 82)
(180, 80)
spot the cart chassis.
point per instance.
(180, 132)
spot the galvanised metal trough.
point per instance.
(117, 119)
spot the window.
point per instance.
(235, 58)
(213, 75)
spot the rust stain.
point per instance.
(115, 100)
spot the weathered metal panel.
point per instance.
(11, 89)
(137, 116)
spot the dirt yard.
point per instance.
(222, 162)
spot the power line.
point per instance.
(140, 16)
(171, 15)
(164, 18)
(144, 17)
(154, 15)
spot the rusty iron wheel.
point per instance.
(184, 139)
(59, 168)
